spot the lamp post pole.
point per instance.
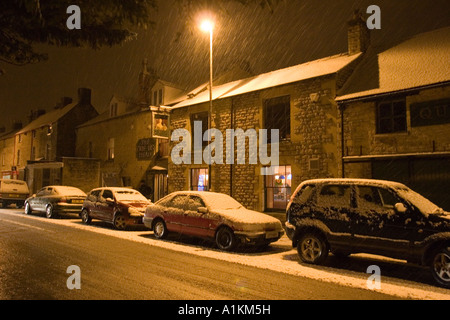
(208, 26)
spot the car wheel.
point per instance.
(312, 248)
(27, 208)
(160, 229)
(49, 212)
(119, 222)
(225, 239)
(85, 217)
(440, 266)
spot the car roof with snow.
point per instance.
(373, 182)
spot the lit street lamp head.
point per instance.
(207, 26)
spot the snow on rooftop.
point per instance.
(420, 61)
(312, 69)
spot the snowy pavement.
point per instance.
(279, 257)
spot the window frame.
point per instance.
(271, 108)
(392, 117)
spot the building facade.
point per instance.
(398, 126)
(297, 101)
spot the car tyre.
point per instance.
(440, 266)
(119, 222)
(312, 248)
(85, 217)
(225, 239)
(50, 212)
(160, 229)
(28, 208)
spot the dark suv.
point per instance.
(347, 216)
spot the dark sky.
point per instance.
(296, 32)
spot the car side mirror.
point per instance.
(400, 207)
(109, 200)
(202, 210)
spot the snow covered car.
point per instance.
(56, 200)
(13, 191)
(347, 216)
(120, 206)
(211, 215)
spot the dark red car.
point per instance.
(211, 215)
(120, 206)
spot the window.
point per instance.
(155, 98)
(18, 157)
(277, 115)
(338, 196)
(160, 101)
(203, 117)
(113, 109)
(194, 203)
(107, 194)
(391, 116)
(373, 198)
(199, 179)
(278, 188)
(111, 149)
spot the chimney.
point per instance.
(84, 96)
(358, 34)
(63, 102)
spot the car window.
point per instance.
(107, 194)
(50, 191)
(178, 202)
(388, 199)
(369, 198)
(194, 203)
(94, 195)
(41, 192)
(304, 194)
(335, 196)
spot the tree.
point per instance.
(24, 23)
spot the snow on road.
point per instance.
(280, 257)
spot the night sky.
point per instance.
(296, 32)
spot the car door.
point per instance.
(335, 206)
(105, 205)
(197, 223)
(37, 201)
(173, 212)
(378, 227)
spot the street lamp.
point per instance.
(208, 26)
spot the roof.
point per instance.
(47, 118)
(308, 70)
(356, 181)
(420, 61)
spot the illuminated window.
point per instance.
(199, 179)
(278, 188)
(111, 149)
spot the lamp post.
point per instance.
(208, 26)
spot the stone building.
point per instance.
(35, 152)
(298, 101)
(396, 116)
(130, 139)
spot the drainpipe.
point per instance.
(341, 109)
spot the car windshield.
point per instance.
(221, 201)
(129, 196)
(422, 203)
(69, 191)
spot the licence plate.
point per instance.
(271, 234)
(77, 201)
(11, 195)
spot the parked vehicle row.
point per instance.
(341, 216)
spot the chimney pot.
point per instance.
(84, 96)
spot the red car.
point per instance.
(211, 215)
(120, 206)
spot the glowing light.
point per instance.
(207, 26)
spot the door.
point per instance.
(378, 227)
(198, 223)
(105, 209)
(335, 206)
(173, 213)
